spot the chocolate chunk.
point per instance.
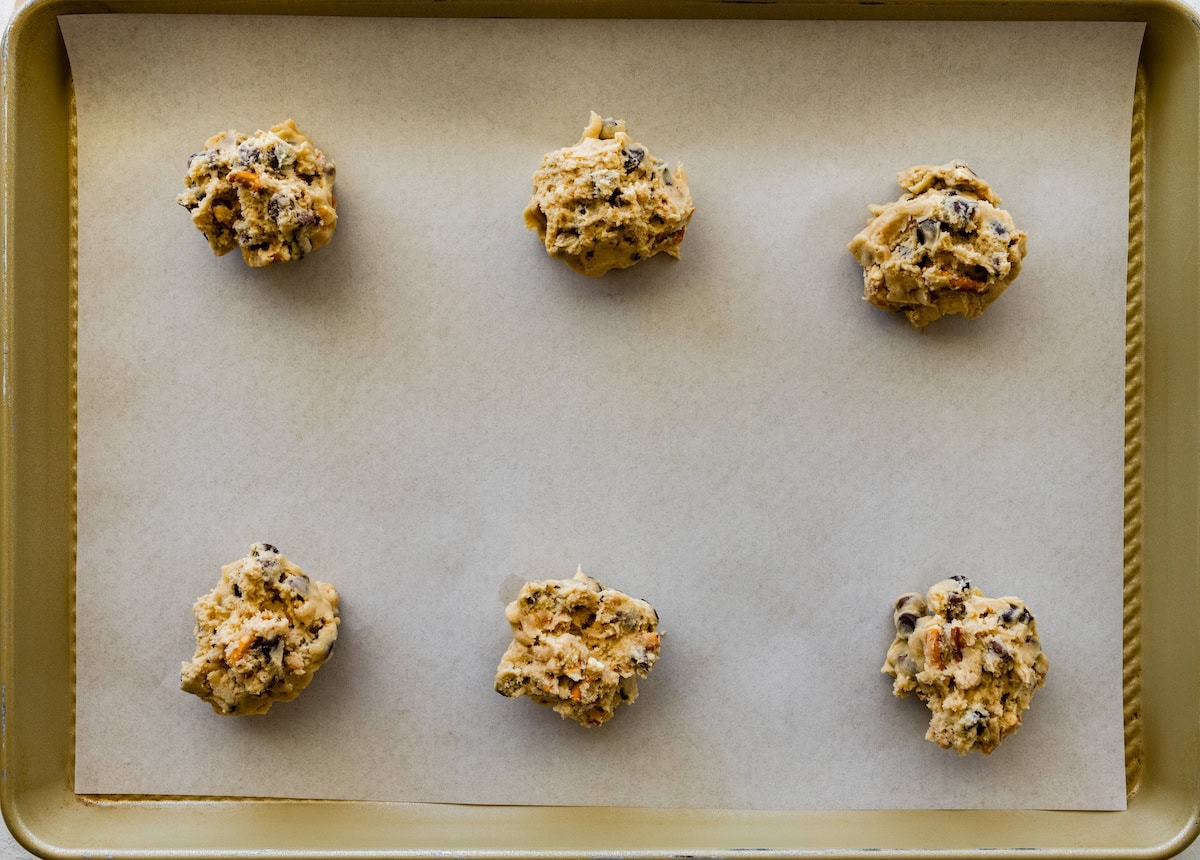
(955, 608)
(906, 623)
(632, 157)
(615, 199)
(963, 208)
(248, 154)
(999, 650)
(1016, 614)
(928, 231)
(237, 592)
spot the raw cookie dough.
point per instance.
(578, 647)
(943, 248)
(270, 195)
(260, 634)
(606, 202)
(975, 662)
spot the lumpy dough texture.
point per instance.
(271, 195)
(578, 647)
(260, 634)
(975, 662)
(943, 248)
(606, 202)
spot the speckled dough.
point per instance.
(606, 202)
(260, 634)
(943, 248)
(975, 662)
(271, 195)
(578, 647)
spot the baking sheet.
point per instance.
(429, 411)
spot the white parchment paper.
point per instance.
(430, 410)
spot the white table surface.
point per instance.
(10, 850)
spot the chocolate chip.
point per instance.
(1015, 613)
(928, 231)
(615, 199)
(248, 154)
(998, 228)
(963, 208)
(999, 650)
(955, 608)
(961, 580)
(273, 158)
(906, 623)
(237, 592)
(667, 176)
(632, 158)
(976, 273)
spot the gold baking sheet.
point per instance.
(781, 830)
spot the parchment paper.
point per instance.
(430, 410)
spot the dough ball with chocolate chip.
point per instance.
(945, 247)
(975, 661)
(269, 195)
(578, 647)
(607, 203)
(261, 634)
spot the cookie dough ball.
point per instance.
(578, 647)
(975, 662)
(943, 248)
(271, 195)
(606, 202)
(261, 634)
